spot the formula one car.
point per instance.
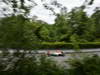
(55, 53)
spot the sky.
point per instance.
(47, 15)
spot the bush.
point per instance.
(64, 45)
(85, 66)
(21, 64)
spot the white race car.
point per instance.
(55, 53)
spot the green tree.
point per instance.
(81, 25)
(96, 18)
(16, 32)
(63, 29)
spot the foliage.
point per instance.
(21, 64)
(74, 27)
(25, 64)
(16, 32)
(82, 25)
(64, 45)
(75, 43)
(96, 19)
(86, 66)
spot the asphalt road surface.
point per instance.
(61, 60)
(68, 53)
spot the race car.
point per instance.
(55, 53)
